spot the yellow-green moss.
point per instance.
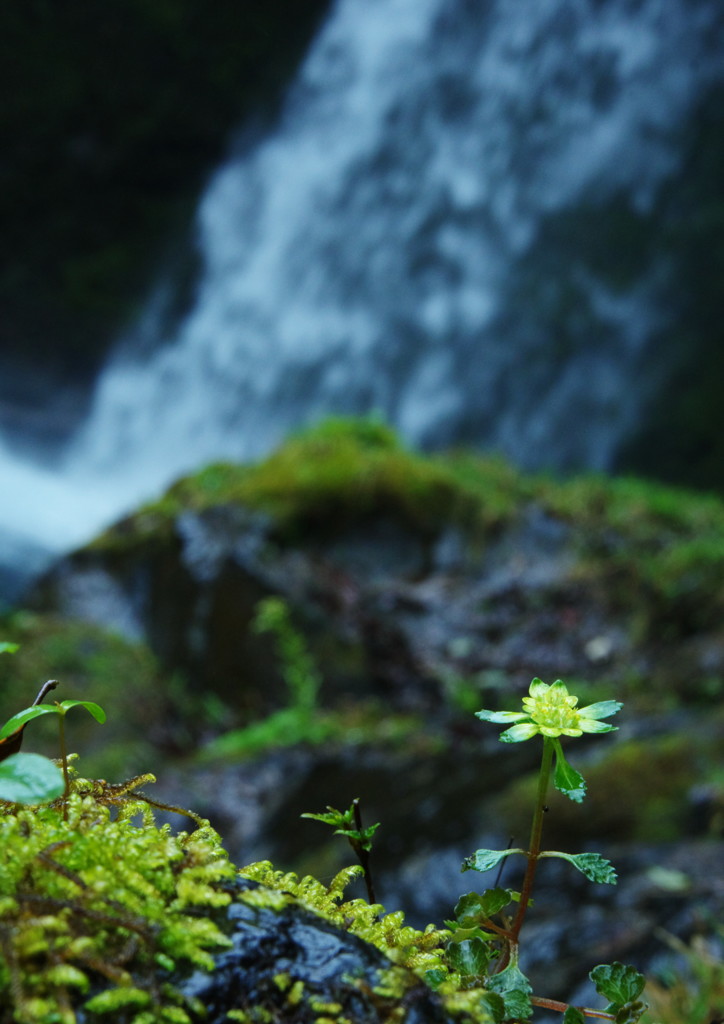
(417, 950)
(103, 904)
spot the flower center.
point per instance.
(555, 711)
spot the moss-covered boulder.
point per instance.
(423, 580)
(106, 917)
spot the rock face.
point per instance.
(388, 613)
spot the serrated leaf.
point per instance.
(592, 865)
(574, 1016)
(475, 907)
(30, 779)
(435, 977)
(469, 957)
(515, 989)
(565, 778)
(618, 983)
(495, 1006)
(485, 860)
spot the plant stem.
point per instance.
(64, 758)
(535, 837)
(553, 1004)
(362, 854)
(45, 688)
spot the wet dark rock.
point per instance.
(286, 960)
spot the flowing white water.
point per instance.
(359, 257)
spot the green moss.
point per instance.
(99, 904)
(654, 549)
(418, 950)
(341, 472)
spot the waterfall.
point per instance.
(383, 248)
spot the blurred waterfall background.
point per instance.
(472, 219)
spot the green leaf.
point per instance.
(14, 723)
(573, 1016)
(631, 1013)
(334, 818)
(30, 779)
(485, 860)
(515, 989)
(93, 709)
(7, 648)
(363, 837)
(435, 977)
(340, 819)
(565, 778)
(618, 983)
(592, 865)
(469, 957)
(37, 710)
(474, 907)
(495, 1006)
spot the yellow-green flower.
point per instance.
(551, 711)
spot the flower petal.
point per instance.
(501, 717)
(538, 688)
(603, 709)
(591, 725)
(521, 732)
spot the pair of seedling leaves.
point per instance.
(32, 778)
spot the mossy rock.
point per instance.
(656, 552)
(338, 473)
(106, 916)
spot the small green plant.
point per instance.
(349, 823)
(485, 943)
(31, 778)
(300, 721)
(26, 778)
(693, 990)
(59, 708)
